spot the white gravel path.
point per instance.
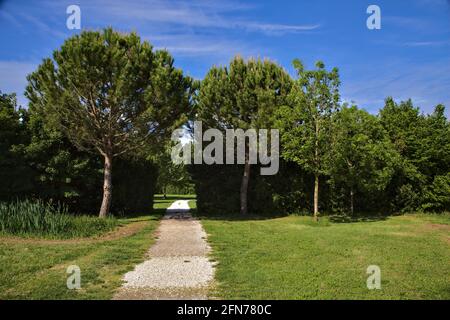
(178, 267)
(171, 272)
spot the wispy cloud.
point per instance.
(277, 29)
(193, 14)
(426, 43)
(42, 26)
(196, 28)
(206, 50)
(6, 16)
(426, 84)
(411, 23)
(35, 17)
(428, 3)
(418, 24)
(199, 48)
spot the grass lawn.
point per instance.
(293, 258)
(36, 268)
(281, 258)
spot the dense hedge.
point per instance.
(133, 186)
(81, 191)
(217, 188)
(290, 191)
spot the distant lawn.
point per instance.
(159, 197)
(36, 268)
(292, 258)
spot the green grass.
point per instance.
(193, 205)
(282, 258)
(33, 269)
(294, 258)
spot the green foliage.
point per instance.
(15, 176)
(363, 159)
(109, 90)
(437, 196)
(38, 218)
(172, 178)
(44, 164)
(423, 142)
(305, 123)
(62, 172)
(243, 95)
(135, 184)
(396, 161)
(217, 188)
(110, 93)
(107, 94)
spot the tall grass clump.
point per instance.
(36, 217)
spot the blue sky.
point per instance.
(408, 58)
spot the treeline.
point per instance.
(103, 108)
(335, 158)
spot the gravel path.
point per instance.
(178, 266)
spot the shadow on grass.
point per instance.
(253, 217)
(159, 199)
(234, 216)
(155, 214)
(350, 219)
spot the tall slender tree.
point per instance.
(306, 121)
(110, 93)
(244, 96)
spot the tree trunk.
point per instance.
(244, 185)
(316, 175)
(107, 187)
(351, 201)
(316, 197)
